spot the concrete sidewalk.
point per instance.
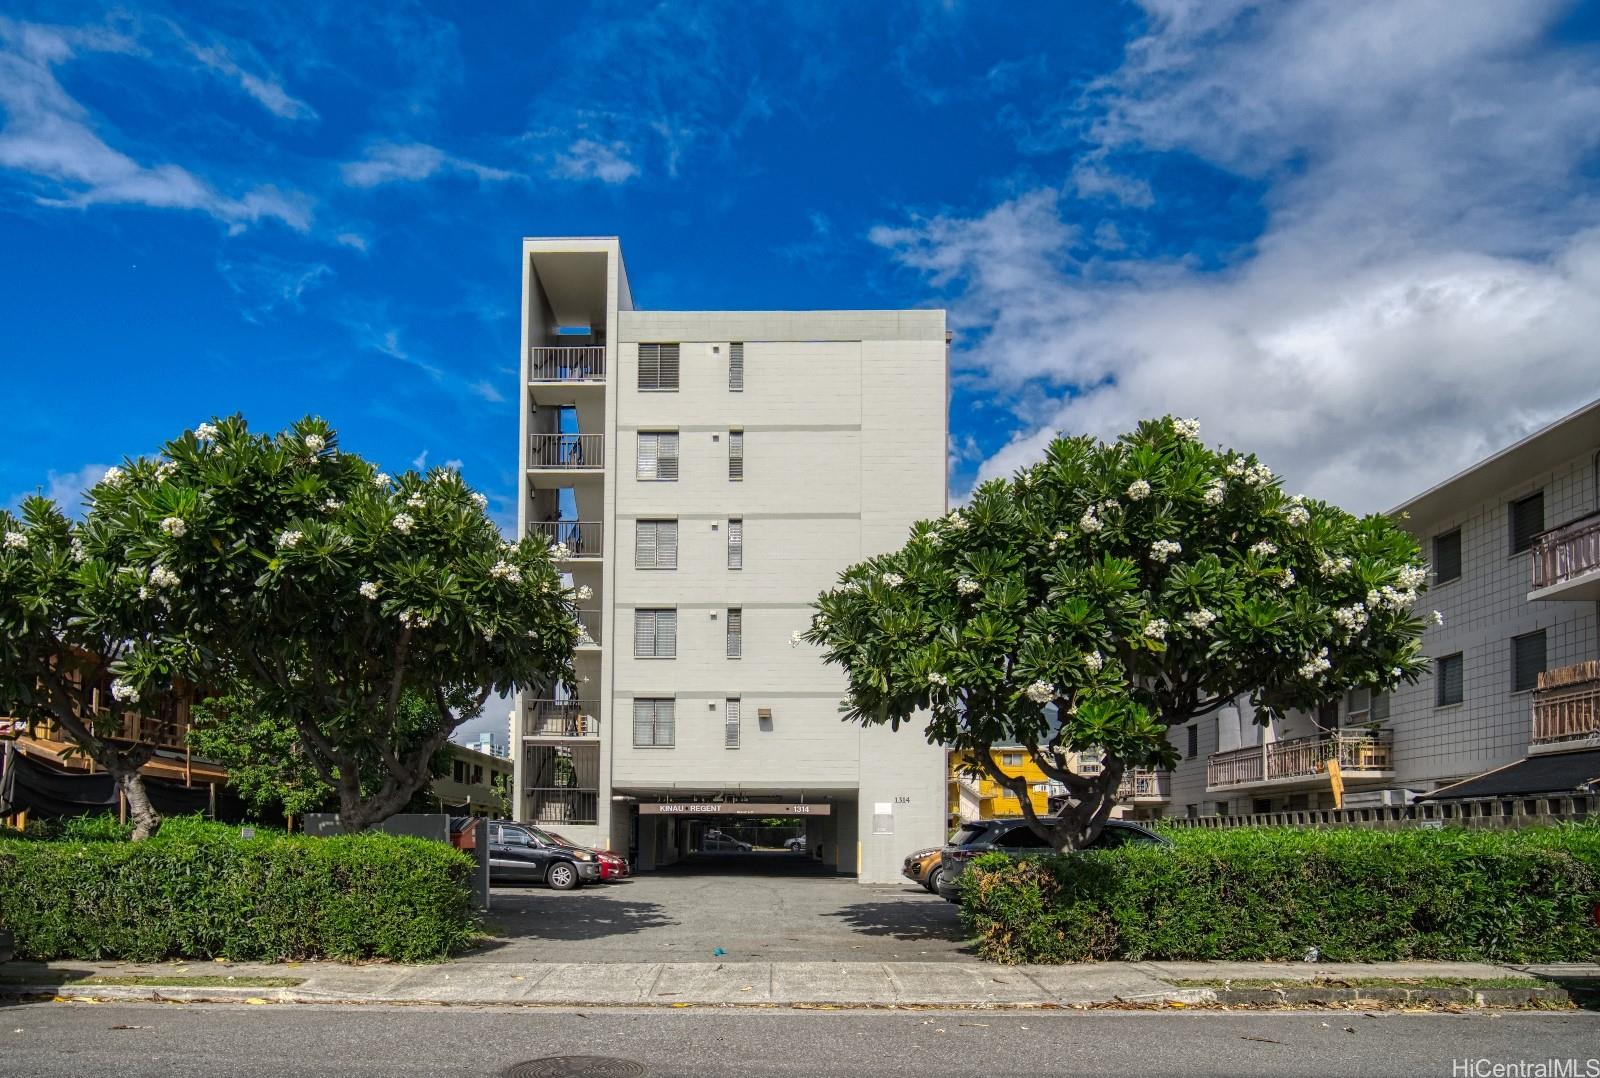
(790, 984)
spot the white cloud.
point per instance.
(420, 461)
(354, 240)
(587, 159)
(1427, 286)
(265, 89)
(67, 489)
(49, 136)
(488, 391)
(266, 284)
(390, 162)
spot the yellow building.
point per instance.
(972, 796)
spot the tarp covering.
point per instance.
(1555, 773)
(46, 792)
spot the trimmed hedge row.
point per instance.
(198, 890)
(1273, 893)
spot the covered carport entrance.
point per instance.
(766, 837)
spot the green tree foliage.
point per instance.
(281, 563)
(1110, 592)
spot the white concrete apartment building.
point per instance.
(1514, 547)
(707, 474)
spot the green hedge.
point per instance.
(198, 890)
(1272, 893)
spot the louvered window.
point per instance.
(730, 723)
(1194, 743)
(658, 366)
(658, 454)
(735, 632)
(655, 544)
(736, 455)
(1447, 679)
(736, 367)
(1362, 706)
(1447, 556)
(735, 544)
(1527, 661)
(1527, 521)
(652, 722)
(655, 634)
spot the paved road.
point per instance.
(745, 906)
(195, 1041)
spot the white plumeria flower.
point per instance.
(1162, 549)
(175, 527)
(1094, 661)
(1187, 428)
(560, 552)
(956, 522)
(504, 570)
(1200, 619)
(1263, 549)
(316, 443)
(332, 505)
(113, 476)
(16, 541)
(1411, 577)
(937, 678)
(1040, 692)
(145, 592)
(289, 538)
(413, 620)
(1286, 581)
(1316, 665)
(207, 432)
(381, 479)
(585, 593)
(1089, 522)
(796, 638)
(1155, 629)
(78, 552)
(1438, 618)
(1298, 516)
(124, 693)
(894, 580)
(1353, 617)
(417, 501)
(369, 589)
(162, 577)
(404, 522)
(1215, 492)
(165, 469)
(1138, 490)
(967, 586)
(479, 500)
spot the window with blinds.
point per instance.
(1194, 743)
(1527, 661)
(735, 632)
(652, 722)
(655, 544)
(1447, 679)
(736, 367)
(655, 634)
(658, 366)
(730, 722)
(735, 455)
(1526, 520)
(736, 544)
(1447, 556)
(658, 454)
(1362, 706)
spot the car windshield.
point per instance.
(966, 833)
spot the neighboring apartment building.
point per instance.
(1514, 548)
(1142, 795)
(467, 788)
(706, 474)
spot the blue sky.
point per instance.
(1358, 237)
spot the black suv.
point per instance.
(519, 854)
(1014, 838)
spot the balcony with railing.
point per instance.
(567, 363)
(580, 538)
(589, 622)
(566, 452)
(1566, 708)
(563, 718)
(562, 804)
(1566, 561)
(1143, 784)
(1300, 760)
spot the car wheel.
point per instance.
(933, 880)
(562, 876)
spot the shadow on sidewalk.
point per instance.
(517, 918)
(908, 921)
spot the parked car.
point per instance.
(613, 865)
(1014, 838)
(717, 842)
(796, 844)
(922, 866)
(520, 854)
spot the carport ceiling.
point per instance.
(575, 284)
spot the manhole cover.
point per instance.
(576, 1067)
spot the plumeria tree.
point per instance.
(328, 591)
(1111, 592)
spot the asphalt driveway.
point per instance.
(765, 907)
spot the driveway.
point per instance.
(748, 906)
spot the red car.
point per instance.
(613, 866)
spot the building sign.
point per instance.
(733, 808)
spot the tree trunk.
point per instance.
(146, 820)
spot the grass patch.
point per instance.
(150, 980)
(1359, 982)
